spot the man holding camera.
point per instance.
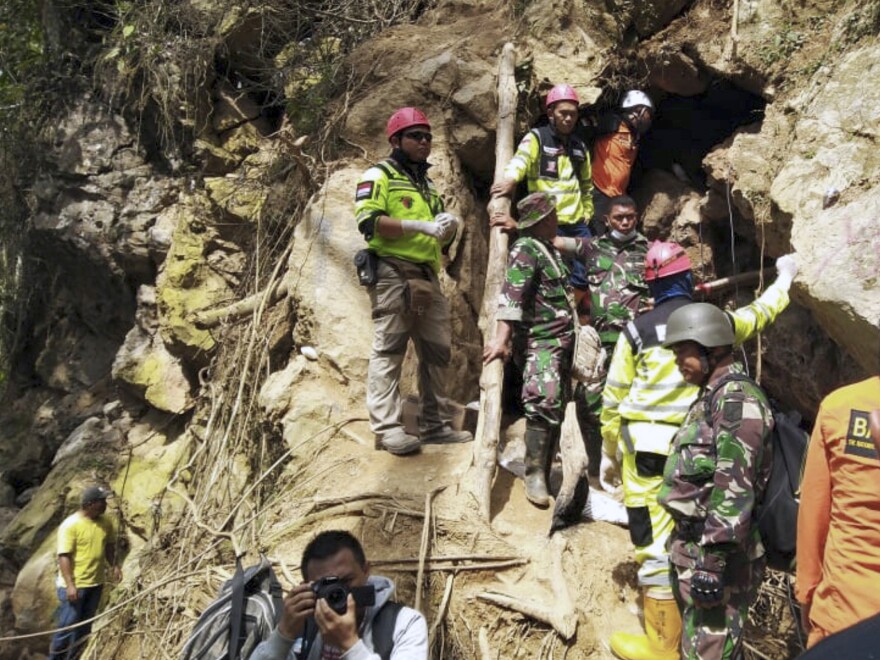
(366, 625)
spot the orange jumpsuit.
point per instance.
(613, 158)
(838, 539)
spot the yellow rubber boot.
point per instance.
(663, 638)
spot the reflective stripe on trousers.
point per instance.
(646, 447)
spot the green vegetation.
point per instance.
(864, 21)
(782, 46)
(21, 54)
(21, 62)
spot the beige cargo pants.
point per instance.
(394, 325)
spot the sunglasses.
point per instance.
(418, 136)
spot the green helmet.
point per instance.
(703, 323)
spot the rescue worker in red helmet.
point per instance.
(552, 159)
(402, 218)
(644, 402)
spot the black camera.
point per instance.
(335, 592)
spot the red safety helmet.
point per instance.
(561, 92)
(404, 118)
(665, 259)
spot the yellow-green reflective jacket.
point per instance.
(387, 189)
(643, 382)
(560, 169)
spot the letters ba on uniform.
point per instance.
(858, 435)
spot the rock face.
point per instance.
(119, 381)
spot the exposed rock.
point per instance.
(321, 278)
(830, 145)
(74, 357)
(33, 426)
(233, 108)
(675, 72)
(660, 198)
(26, 496)
(89, 432)
(7, 494)
(215, 159)
(34, 600)
(840, 279)
(278, 389)
(144, 363)
(653, 15)
(140, 489)
(7, 515)
(113, 410)
(186, 283)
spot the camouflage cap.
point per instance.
(534, 208)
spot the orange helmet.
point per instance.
(561, 92)
(404, 118)
(665, 259)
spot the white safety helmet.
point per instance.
(634, 98)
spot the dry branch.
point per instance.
(211, 318)
(423, 547)
(483, 640)
(489, 425)
(561, 615)
(441, 612)
(434, 566)
(347, 509)
(449, 558)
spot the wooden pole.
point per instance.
(489, 423)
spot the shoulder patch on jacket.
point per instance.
(364, 190)
(732, 411)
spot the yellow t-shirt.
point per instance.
(84, 540)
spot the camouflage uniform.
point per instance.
(718, 469)
(537, 298)
(618, 293)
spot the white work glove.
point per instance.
(786, 269)
(609, 472)
(449, 222)
(432, 229)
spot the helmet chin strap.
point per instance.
(708, 362)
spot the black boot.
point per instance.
(537, 448)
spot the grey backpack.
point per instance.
(242, 616)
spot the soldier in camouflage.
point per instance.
(537, 303)
(615, 265)
(718, 470)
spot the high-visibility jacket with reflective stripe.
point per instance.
(557, 168)
(643, 382)
(385, 189)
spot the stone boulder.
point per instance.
(145, 365)
(34, 600)
(187, 283)
(652, 15)
(809, 177)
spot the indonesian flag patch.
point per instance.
(364, 191)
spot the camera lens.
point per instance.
(337, 598)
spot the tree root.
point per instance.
(562, 616)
